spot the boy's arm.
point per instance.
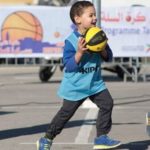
(107, 54)
(69, 57)
(81, 49)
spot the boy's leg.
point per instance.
(104, 102)
(58, 122)
(62, 117)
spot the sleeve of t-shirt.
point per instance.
(69, 57)
(109, 52)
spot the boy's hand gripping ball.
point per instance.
(96, 39)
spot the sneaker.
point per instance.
(104, 142)
(44, 144)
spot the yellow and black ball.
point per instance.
(96, 39)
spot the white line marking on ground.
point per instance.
(58, 143)
(23, 77)
(30, 107)
(85, 130)
(57, 107)
(88, 104)
(30, 143)
(33, 77)
(130, 107)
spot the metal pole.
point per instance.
(97, 4)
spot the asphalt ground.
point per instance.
(27, 106)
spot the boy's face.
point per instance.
(87, 19)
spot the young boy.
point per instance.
(81, 82)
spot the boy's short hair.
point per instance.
(77, 9)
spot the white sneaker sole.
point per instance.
(98, 147)
(37, 145)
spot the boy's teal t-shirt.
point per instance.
(86, 80)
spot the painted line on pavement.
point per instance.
(30, 107)
(82, 107)
(85, 130)
(30, 143)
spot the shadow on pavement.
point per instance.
(10, 133)
(6, 112)
(137, 145)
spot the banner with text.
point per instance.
(24, 32)
(128, 30)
